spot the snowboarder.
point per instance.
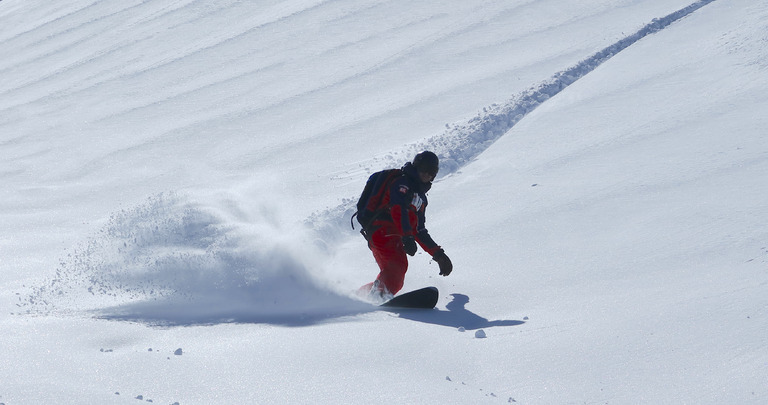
(399, 225)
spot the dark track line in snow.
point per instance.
(461, 143)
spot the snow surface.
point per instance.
(178, 178)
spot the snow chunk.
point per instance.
(480, 334)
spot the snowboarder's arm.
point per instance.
(425, 240)
(429, 246)
(434, 250)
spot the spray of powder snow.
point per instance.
(170, 261)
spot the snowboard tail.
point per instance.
(424, 298)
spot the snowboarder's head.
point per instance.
(427, 165)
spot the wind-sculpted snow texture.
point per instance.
(463, 142)
(168, 261)
(165, 167)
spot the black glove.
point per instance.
(409, 245)
(446, 267)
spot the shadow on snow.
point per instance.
(292, 310)
(456, 316)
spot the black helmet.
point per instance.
(427, 162)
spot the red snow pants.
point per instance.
(387, 248)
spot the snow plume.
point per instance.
(173, 262)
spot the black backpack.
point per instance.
(369, 206)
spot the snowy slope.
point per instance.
(180, 174)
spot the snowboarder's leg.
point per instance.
(365, 289)
(391, 258)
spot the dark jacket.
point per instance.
(407, 207)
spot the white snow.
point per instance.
(178, 176)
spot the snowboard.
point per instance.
(424, 298)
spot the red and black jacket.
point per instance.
(407, 203)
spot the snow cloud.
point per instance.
(172, 261)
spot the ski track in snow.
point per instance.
(173, 262)
(461, 143)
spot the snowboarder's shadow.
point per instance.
(456, 316)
